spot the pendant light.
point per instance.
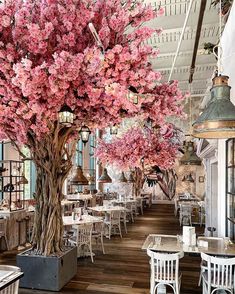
(79, 178)
(133, 95)
(66, 115)
(218, 119)
(190, 157)
(189, 178)
(84, 133)
(131, 179)
(105, 178)
(114, 130)
(122, 178)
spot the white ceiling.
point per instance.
(172, 24)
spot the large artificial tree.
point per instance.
(49, 58)
(142, 150)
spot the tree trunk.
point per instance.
(139, 181)
(53, 160)
(48, 226)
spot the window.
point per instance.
(230, 188)
(79, 153)
(30, 174)
(79, 160)
(1, 151)
(92, 162)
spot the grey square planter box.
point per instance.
(47, 272)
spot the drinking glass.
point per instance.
(179, 239)
(158, 241)
(226, 242)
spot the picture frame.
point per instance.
(201, 179)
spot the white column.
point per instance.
(221, 188)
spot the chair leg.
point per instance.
(102, 243)
(120, 231)
(7, 245)
(110, 227)
(125, 227)
(200, 279)
(91, 253)
(141, 209)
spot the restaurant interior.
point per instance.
(117, 146)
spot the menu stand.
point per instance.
(211, 230)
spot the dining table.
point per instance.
(171, 244)
(84, 219)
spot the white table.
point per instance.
(169, 243)
(107, 209)
(79, 197)
(86, 219)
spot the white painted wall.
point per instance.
(228, 68)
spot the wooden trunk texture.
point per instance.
(124, 269)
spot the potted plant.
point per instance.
(64, 65)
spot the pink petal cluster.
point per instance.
(136, 144)
(49, 57)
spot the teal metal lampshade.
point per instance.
(122, 178)
(218, 120)
(105, 178)
(190, 157)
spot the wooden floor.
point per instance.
(124, 269)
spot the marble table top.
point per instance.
(69, 221)
(170, 243)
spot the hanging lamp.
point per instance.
(122, 178)
(114, 130)
(218, 119)
(133, 95)
(105, 178)
(84, 133)
(190, 157)
(189, 178)
(66, 115)
(79, 178)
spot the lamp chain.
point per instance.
(219, 65)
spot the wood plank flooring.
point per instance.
(124, 269)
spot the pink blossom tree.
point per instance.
(141, 149)
(48, 58)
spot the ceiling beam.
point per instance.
(198, 34)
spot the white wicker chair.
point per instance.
(185, 213)
(114, 222)
(140, 205)
(165, 270)
(83, 238)
(98, 233)
(203, 263)
(219, 274)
